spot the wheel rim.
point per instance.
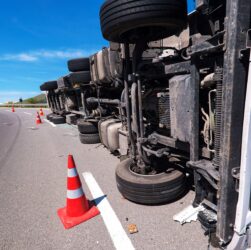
(131, 166)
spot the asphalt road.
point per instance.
(33, 169)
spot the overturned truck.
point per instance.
(168, 98)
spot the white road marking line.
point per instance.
(27, 113)
(118, 235)
(7, 110)
(52, 124)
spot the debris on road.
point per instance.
(32, 128)
(132, 228)
(188, 214)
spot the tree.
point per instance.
(31, 101)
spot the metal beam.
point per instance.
(234, 86)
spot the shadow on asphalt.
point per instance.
(99, 199)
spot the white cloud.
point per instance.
(27, 58)
(45, 54)
(23, 57)
(60, 54)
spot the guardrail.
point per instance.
(19, 105)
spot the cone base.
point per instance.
(70, 222)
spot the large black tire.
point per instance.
(71, 119)
(49, 116)
(57, 119)
(149, 189)
(64, 83)
(89, 138)
(128, 21)
(53, 116)
(85, 127)
(79, 64)
(51, 85)
(80, 77)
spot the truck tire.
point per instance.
(85, 127)
(71, 119)
(53, 116)
(80, 77)
(58, 119)
(149, 189)
(89, 138)
(128, 21)
(79, 64)
(51, 85)
(49, 116)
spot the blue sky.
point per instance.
(39, 36)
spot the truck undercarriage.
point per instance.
(168, 97)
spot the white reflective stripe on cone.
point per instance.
(72, 172)
(74, 194)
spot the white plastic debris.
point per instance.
(188, 215)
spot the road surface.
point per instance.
(33, 168)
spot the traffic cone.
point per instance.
(13, 109)
(78, 209)
(41, 112)
(38, 119)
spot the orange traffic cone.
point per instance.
(41, 112)
(13, 109)
(38, 119)
(78, 209)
